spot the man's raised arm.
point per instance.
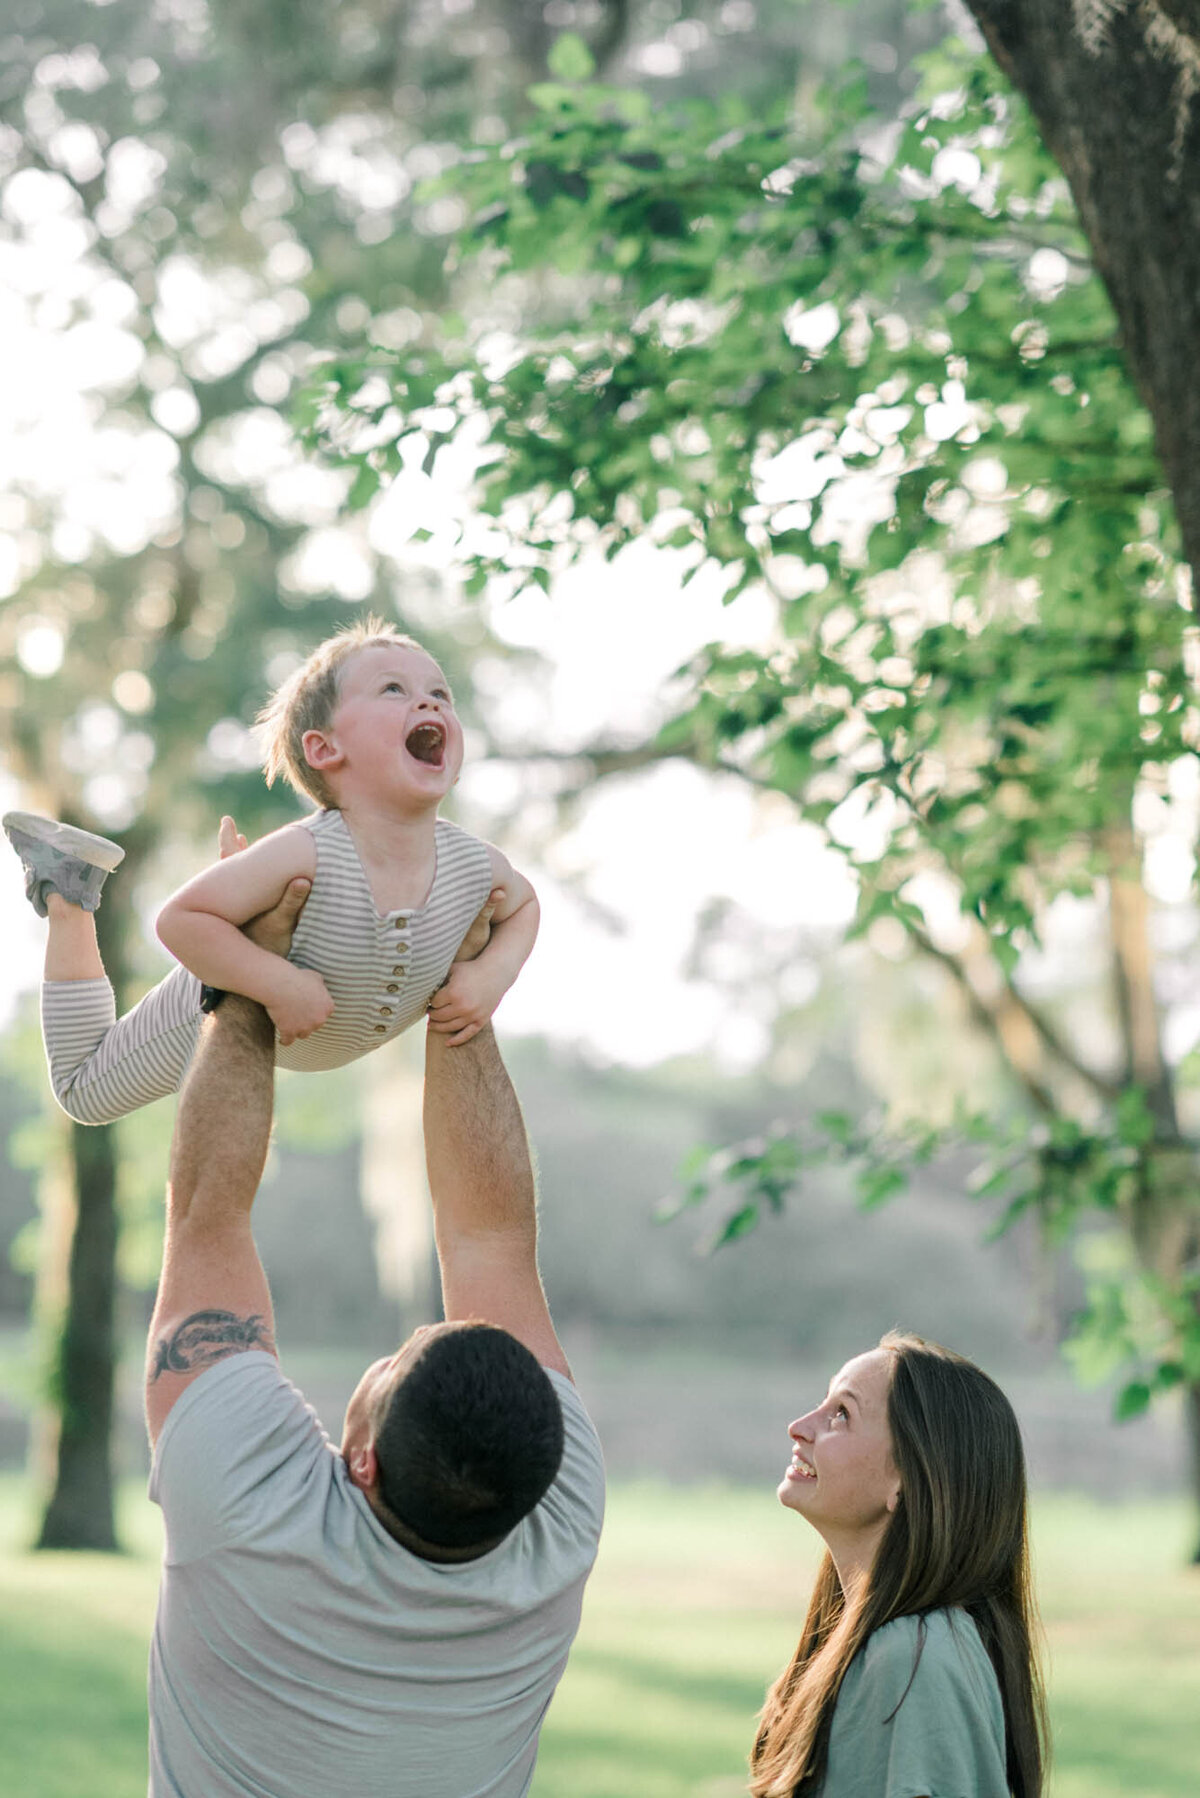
(482, 1187)
(213, 1299)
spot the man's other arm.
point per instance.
(482, 1187)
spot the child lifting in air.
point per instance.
(367, 729)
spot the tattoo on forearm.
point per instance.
(208, 1336)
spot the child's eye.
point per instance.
(393, 686)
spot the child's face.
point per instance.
(395, 732)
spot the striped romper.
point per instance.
(381, 972)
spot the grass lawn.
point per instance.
(695, 1603)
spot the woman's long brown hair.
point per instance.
(958, 1537)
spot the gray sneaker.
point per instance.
(58, 858)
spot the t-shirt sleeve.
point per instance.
(575, 1501)
(946, 1740)
(237, 1428)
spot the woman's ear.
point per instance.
(893, 1501)
(320, 750)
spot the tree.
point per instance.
(870, 371)
(1113, 87)
(190, 196)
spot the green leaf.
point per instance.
(696, 1161)
(990, 1181)
(876, 1185)
(1008, 1217)
(1132, 1400)
(550, 96)
(838, 1126)
(1135, 1125)
(570, 59)
(363, 488)
(740, 1223)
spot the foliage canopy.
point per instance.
(867, 368)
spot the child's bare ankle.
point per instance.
(72, 952)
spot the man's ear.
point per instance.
(363, 1464)
(321, 750)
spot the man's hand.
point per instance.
(229, 838)
(273, 929)
(480, 932)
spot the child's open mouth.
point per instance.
(426, 743)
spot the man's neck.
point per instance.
(417, 1545)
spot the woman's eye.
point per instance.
(842, 1412)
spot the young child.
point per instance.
(367, 729)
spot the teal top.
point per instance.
(946, 1739)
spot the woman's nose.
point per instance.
(801, 1429)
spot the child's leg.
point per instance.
(100, 1068)
(103, 1067)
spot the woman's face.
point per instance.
(842, 1476)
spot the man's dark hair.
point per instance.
(471, 1438)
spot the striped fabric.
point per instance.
(381, 972)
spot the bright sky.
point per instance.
(655, 849)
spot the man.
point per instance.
(390, 1618)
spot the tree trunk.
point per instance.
(80, 1512)
(1115, 88)
(81, 1509)
(1191, 1414)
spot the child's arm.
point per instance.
(473, 989)
(201, 926)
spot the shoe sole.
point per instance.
(84, 845)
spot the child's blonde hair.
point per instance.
(307, 701)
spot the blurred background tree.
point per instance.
(198, 199)
(192, 197)
(865, 366)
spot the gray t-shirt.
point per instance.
(947, 1738)
(299, 1651)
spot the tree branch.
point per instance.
(1133, 979)
(1060, 1049)
(1006, 1025)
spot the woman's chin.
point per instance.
(793, 1492)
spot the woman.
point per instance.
(916, 1674)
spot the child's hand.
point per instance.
(301, 1004)
(462, 1007)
